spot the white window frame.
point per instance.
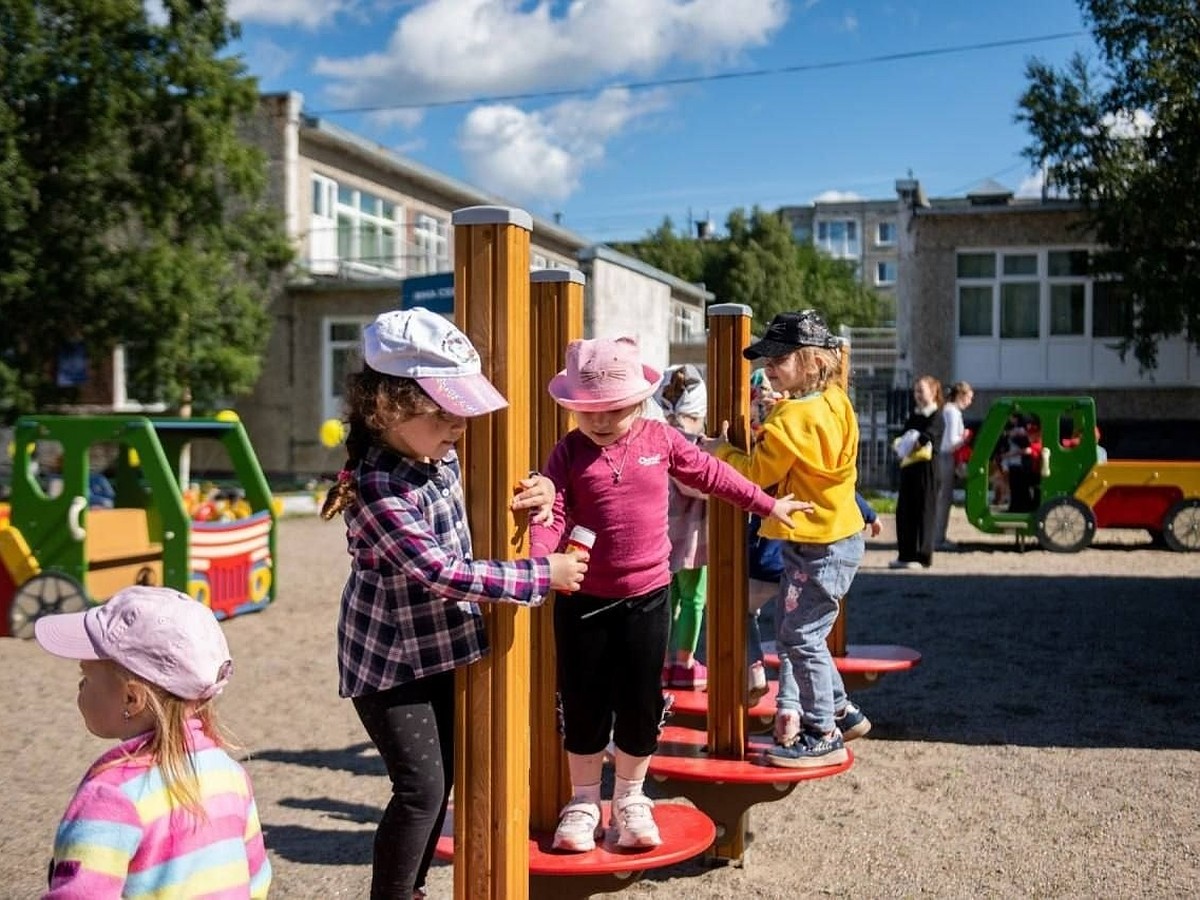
(880, 240)
(881, 279)
(846, 247)
(430, 244)
(322, 229)
(331, 404)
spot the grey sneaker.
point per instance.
(578, 827)
(851, 722)
(810, 751)
(633, 817)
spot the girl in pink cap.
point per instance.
(167, 811)
(611, 475)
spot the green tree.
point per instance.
(1123, 137)
(130, 207)
(758, 263)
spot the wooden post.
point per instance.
(728, 401)
(491, 304)
(836, 641)
(556, 307)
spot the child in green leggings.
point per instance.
(684, 401)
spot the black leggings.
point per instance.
(413, 727)
(610, 659)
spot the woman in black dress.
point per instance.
(916, 507)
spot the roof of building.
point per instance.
(608, 254)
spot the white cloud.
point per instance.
(407, 119)
(850, 22)
(308, 13)
(542, 155)
(1136, 124)
(837, 197)
(268, 60)
(1031, 184)
(453, 49)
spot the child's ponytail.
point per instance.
(345, 489)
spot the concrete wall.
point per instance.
(621, 302)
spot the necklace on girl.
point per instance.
(617, 469)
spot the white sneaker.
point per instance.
(756, 683)
(578, 827)
(634, 819)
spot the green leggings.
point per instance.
(689, 587)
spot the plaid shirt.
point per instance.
(408, 608)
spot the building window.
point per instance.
(431, 245)
(885, 273)
(354, 230)
(1067, 271)
(974, 311)
(1112, 310)
(341, 348)
(686, 325)
(885, 234)
(839, 238)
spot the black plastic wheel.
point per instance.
(1181, 526)
(43, 595)
(1065, 525)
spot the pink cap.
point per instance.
(157, 633)
(603, 375)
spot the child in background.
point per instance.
(808, 444)
(409, 614)
(916, 502)
(683, 397)
(167, 811)
(611, 474)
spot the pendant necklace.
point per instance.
(616, 470)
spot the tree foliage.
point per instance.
(1123, 137)
(758, 263)
(130, 206)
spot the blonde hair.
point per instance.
(167, 745)
(819, 367)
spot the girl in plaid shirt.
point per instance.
(409, 614)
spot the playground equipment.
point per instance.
(61, 552)
(1075, 491)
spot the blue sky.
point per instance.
(614, 161)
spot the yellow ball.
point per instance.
(134, 459)
(226, 415)
(332, 432)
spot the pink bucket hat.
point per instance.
(426, 347)
(602, 375)
(158, 634)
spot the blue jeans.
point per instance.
(815, 578)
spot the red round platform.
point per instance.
(866, 658)
(685, 830)
(695, 703)
(682, 754)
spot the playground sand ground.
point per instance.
(1048, 746)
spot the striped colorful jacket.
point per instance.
(120, 836)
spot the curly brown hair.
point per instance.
(374, 402)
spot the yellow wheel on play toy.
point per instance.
(260, 583)
(199, 590)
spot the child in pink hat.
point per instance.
(611, 475)
(167, 806)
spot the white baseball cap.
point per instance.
(157, 633)
(426, 347)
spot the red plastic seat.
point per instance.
(685, 830)
(682, 755)
(866, 659)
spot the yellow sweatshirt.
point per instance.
(808, 447)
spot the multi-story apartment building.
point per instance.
(862, 232)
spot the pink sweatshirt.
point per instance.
(632, 552)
